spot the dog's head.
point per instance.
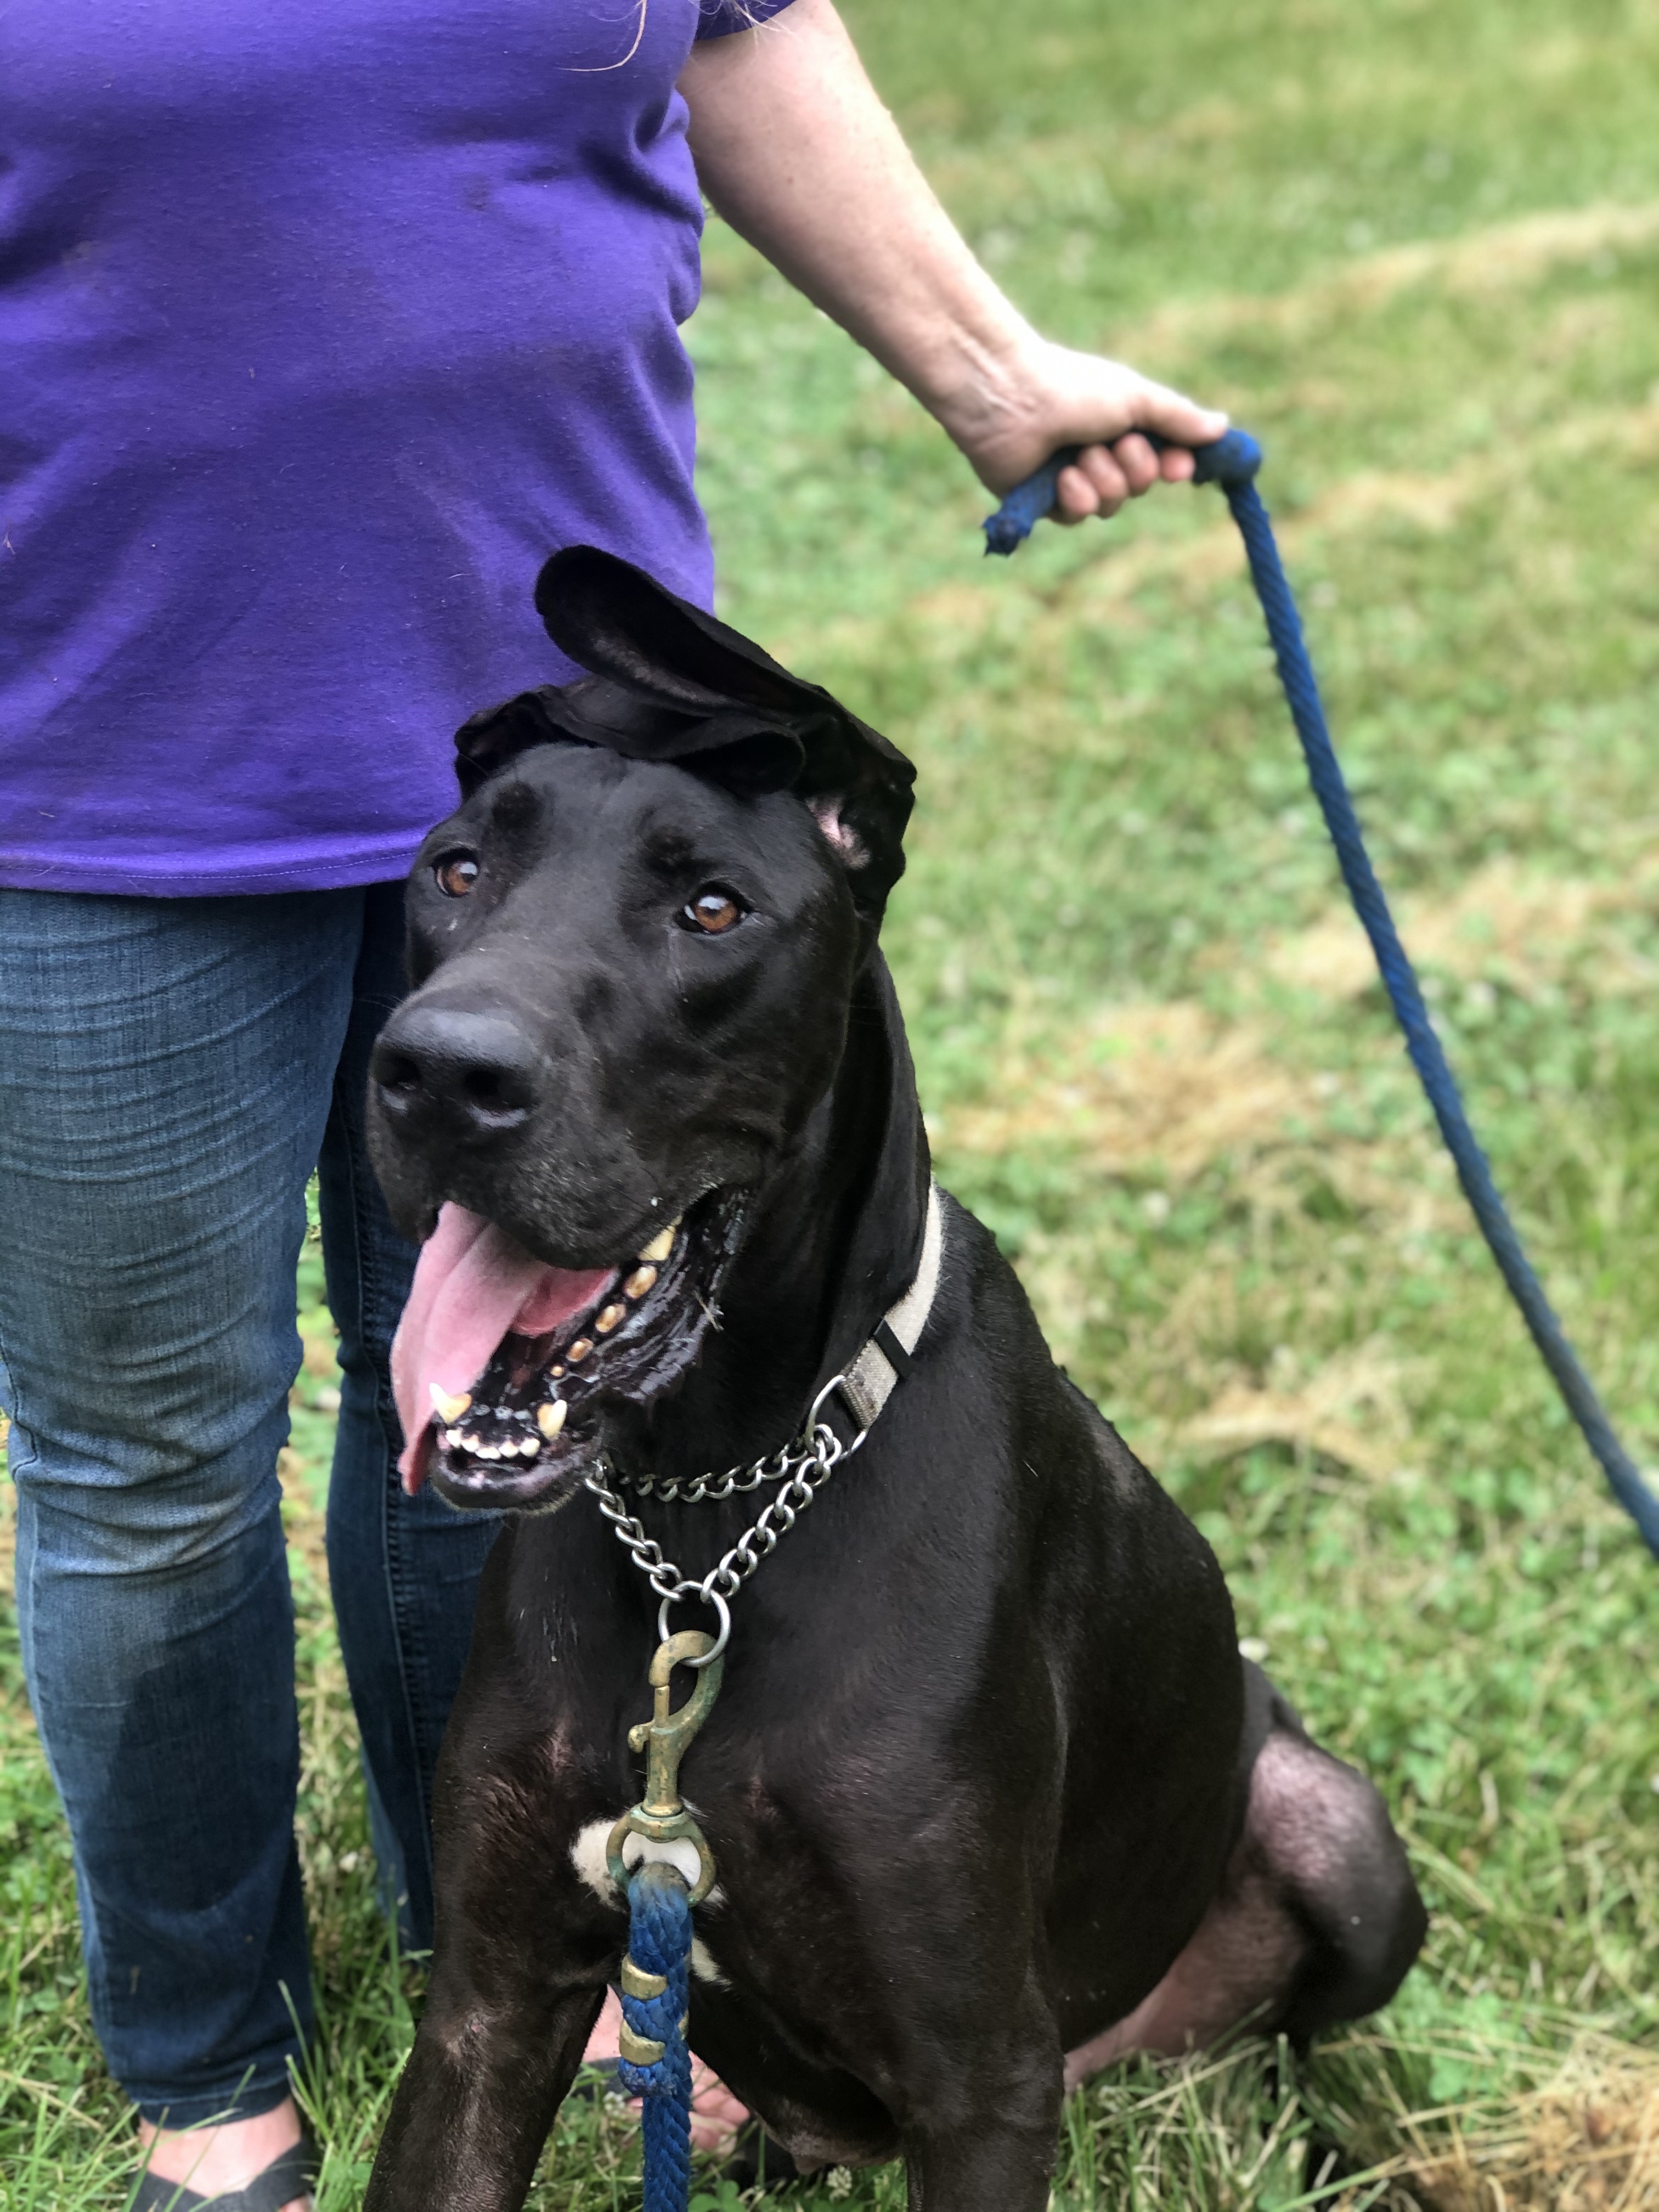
(633, 950)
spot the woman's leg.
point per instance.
(404, 1571)
(166, 1067)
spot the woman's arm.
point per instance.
(796, 151)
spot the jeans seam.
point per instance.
(409, 1641)
(26, 1611)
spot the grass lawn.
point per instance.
(1415, 247)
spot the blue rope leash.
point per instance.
(659, 1950)
(1232, 463)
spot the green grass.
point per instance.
(1149, 1058)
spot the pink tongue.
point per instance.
(472, 1284)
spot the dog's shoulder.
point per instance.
(1095, 1497)
(983, 1317)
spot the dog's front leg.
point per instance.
(985, 2138)
(981, 2170)
(477, 2101)
(985, 2163)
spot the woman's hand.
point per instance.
(796, 151)
(1045, 396)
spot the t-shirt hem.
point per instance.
(168, 875)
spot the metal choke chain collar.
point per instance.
(803, 1468)
(654, 2061)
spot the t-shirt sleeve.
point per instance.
(718, 18)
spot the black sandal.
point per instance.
(294, 2174)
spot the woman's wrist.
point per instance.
(987, 395)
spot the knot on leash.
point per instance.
(655, 2062)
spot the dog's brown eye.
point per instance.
(456, 874)
(713, 911)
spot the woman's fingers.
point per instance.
(1137, 463)
(1093, 484)
(1104, 477)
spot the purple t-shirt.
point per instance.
(321, 324)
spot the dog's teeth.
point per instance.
(556, 1372)
(489, 1451)
(607, 1320)
(472, 1444)
(452, 1438)
(660, 1245)
(449, 1408)
(550, 1418)
(579, 1349)
(640, 1282)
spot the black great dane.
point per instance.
(988, 1782)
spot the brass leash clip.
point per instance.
(659, 1816)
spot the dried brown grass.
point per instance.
(1165, 1087)
(1350, 1411)
(1586, 2141)
(1504, 257)
(1511, 925)
(1155, 1094)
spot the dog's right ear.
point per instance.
(488, 740)
(647, 644)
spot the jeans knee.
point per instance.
(148, 1425)
(153, 1504)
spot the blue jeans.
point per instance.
(171, 1070)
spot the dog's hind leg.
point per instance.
(1316, 1920)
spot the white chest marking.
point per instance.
(588, 1857)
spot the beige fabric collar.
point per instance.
(876, 1373)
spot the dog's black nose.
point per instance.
(474, 1071)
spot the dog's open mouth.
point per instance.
(501, 1360)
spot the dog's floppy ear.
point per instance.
(616, 619)
(701, 675)
(488, 740)
(746, 751)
